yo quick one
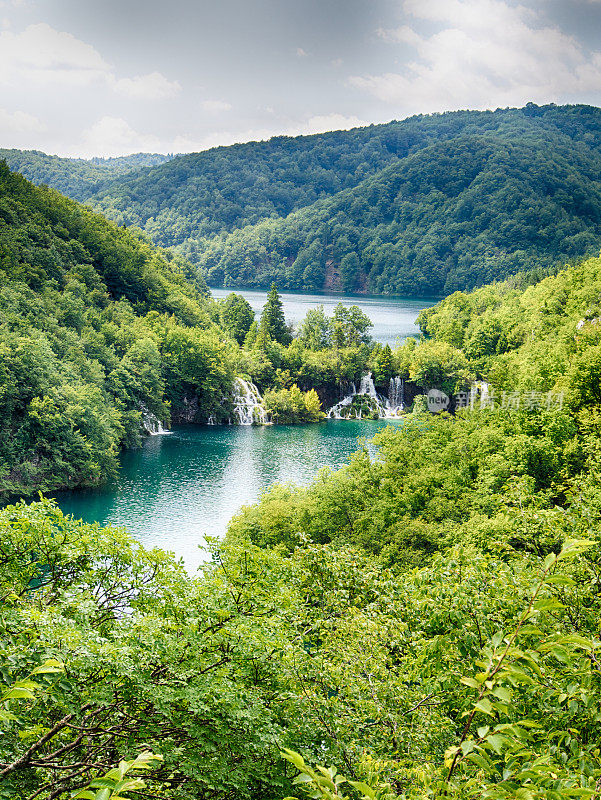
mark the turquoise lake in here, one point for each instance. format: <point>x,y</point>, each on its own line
<point>184,485</point>
<point>181,486</point>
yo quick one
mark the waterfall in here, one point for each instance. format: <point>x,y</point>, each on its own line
<point>483,389</point>
<point>365,403</point>
<point>367,386</point>
<point>396,395</point>
<point>338,411</point>
<point>152,424</point>
<point>248,404</point>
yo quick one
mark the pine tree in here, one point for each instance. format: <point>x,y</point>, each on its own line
<point>273,322</point>
<point>383,366</point>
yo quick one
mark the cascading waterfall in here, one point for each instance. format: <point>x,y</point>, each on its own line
<point>152,424</point>
<point>480,394</point>
<point>363,404</point>
<point>248,404</point>
<point>337,411</point>
<point>368,386</point>
<point>396,395</point>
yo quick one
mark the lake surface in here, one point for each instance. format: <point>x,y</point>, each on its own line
<point>393,317</point>
<point>179,487</point>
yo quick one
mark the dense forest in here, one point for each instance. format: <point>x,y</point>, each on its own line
<point>451,216</point>
<point>421,207</point>
<point>424,624</point>
<point>76,177</point>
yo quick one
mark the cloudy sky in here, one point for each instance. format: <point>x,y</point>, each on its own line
<point>110,77</point>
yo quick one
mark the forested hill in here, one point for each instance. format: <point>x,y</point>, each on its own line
<point>95,327</point>
<point>453,215</point>
<point>76,177</point>
<point>426,205</point>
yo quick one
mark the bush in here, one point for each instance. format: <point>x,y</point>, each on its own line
<point>292,406</point>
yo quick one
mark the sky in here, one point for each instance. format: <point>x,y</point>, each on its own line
<point>104,78</point>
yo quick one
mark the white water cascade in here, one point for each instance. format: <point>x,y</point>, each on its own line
<point>365,400</point>
<point>248,404</point>
<point>481,391</point>
<point>337,411</point>
<point>368,386</point>
<point>396,395</point>
<point>152,424</point>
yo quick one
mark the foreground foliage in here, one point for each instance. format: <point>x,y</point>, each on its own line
<point>320,650</point>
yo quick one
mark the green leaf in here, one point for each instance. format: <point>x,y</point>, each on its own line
<point>547,604</point>
<point>303,778</point>
<point>560,580</point>
<point>49,666</point>
<point>367,791</point>
<point>485,706</point>
<point>294,758</point>
<point>18,693</point>
<point>480,761</point>
<point>496,741</point>
<point>573,547</point>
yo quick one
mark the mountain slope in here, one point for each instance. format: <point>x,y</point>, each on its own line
<point>422,206</point>
<point>99,332</point>
<point>75,177</point>
<point>453,215</point>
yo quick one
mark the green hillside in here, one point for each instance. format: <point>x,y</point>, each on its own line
<point>75,177</point>
<point>424,206</point>
<point>93,324</point>
<point>427,205</point>
<point>453,215</point>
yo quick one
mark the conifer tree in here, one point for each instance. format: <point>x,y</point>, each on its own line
<point>383,366</point>
<point>273,322</point>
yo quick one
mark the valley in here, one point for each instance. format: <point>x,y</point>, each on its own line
<point>272,541</point>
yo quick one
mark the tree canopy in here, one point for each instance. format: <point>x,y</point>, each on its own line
<point>273,322</point>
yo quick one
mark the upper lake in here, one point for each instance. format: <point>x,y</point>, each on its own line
<point>393,317</point>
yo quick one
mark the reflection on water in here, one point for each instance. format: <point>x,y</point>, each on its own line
<point>179,487</point>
